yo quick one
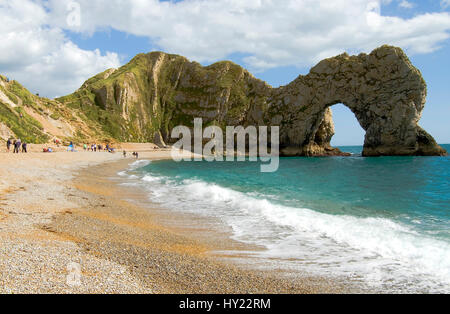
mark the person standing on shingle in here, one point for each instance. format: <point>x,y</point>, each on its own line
<point>17,146</point>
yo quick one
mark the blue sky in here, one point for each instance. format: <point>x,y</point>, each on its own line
<point>275,40</point>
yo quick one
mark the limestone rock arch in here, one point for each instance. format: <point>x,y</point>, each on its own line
<point>384,90</point>
<point>156,92</point>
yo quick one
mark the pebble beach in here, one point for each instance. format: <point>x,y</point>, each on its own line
<point>62,209</point>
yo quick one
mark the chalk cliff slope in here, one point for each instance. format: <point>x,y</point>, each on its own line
<point>39,120</point>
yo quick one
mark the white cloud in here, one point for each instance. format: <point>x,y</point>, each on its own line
<point>269,33</point>
<point>39,55</point>
<point>406,4</point>
<point>272,33</point>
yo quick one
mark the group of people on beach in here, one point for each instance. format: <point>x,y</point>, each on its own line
<point>17,145</point>
<point>135,154</point>
<point>98,148</point>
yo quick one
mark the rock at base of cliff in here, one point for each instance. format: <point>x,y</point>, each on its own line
<point>158,140</point>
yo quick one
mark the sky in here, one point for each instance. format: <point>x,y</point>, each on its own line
<point>53,46</point>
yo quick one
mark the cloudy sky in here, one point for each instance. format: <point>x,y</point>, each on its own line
<point>53,46</point>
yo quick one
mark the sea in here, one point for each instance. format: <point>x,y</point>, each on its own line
<point>383,223</point>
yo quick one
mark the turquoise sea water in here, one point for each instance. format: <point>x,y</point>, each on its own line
<point>385,222</point>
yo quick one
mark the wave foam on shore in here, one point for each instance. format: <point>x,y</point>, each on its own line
<point>375,251</point>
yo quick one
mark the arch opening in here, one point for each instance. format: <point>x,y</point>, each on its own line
<point>348,131</point>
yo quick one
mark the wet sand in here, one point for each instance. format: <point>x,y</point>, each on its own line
<point>69,207</point>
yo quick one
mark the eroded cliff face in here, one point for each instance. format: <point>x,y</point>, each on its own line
<point>155,92</point>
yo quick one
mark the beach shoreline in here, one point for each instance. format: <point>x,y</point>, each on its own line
<point>64,208</point>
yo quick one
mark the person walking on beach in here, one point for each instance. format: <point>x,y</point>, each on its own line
<point>124,154</point>
<point>17,146</point>
<point>24,147</point>
<point>8,145</point>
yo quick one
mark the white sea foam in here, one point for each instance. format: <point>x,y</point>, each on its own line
<point>133,166</point>
<point>376,251</point>
<point>139,163</point>
<point>151,178</point>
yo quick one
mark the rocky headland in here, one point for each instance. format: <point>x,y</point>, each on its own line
<point>146,98</point>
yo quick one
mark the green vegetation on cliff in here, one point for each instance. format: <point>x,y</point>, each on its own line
<point>155,92</point>
<point>36,119</point>
<point>23,125</point>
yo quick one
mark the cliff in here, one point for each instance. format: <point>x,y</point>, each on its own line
<point>153,93</point>
<point>39,120</point>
